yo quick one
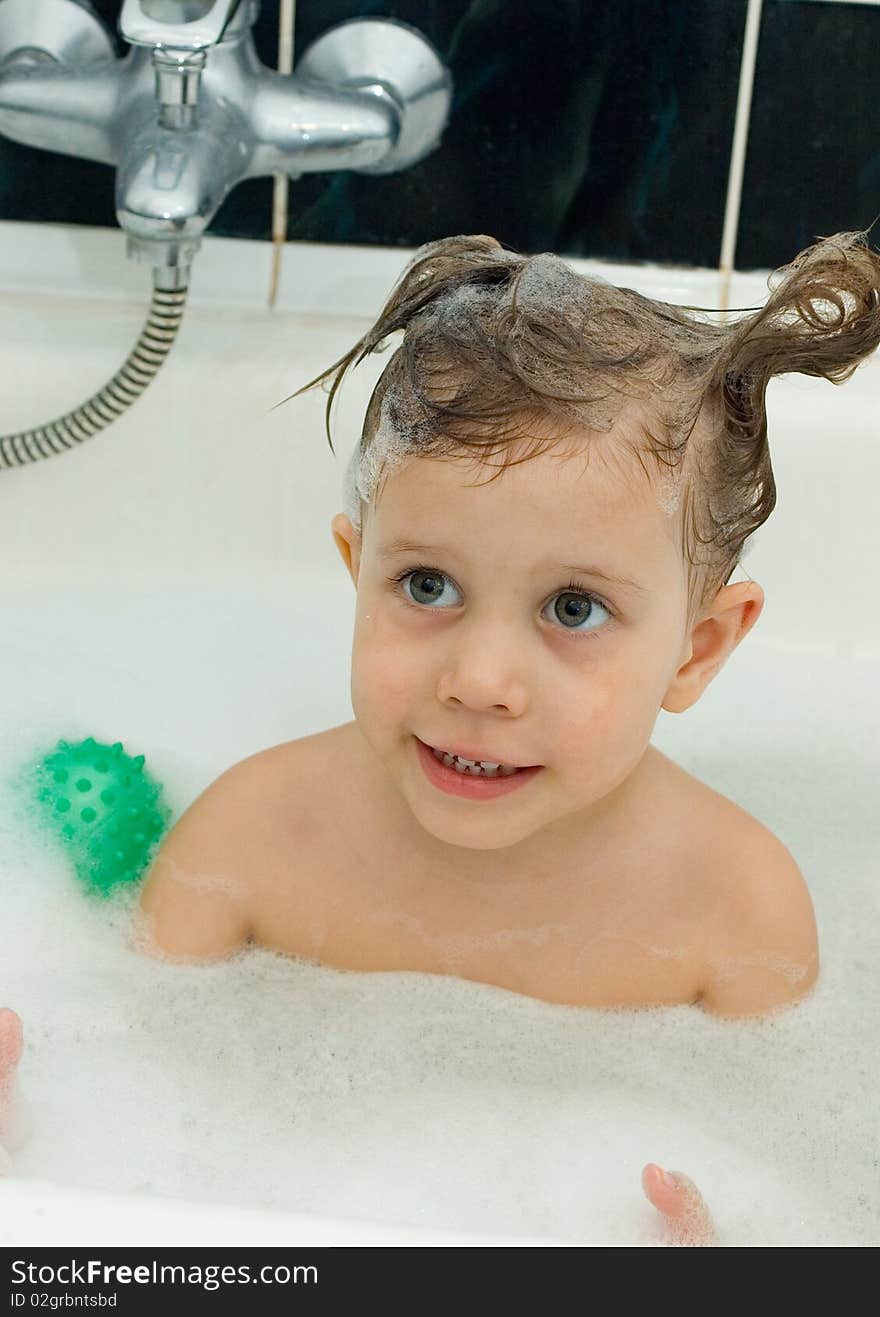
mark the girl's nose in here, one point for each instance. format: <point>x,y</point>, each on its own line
<point>483,672</point>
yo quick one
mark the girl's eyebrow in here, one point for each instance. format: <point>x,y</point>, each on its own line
<point>394,547</point>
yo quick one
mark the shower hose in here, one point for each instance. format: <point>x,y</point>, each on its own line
<point>129,382</point>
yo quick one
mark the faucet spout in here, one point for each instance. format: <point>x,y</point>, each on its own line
<point>169,188</point>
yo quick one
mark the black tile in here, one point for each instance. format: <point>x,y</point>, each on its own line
<point>589,127</point>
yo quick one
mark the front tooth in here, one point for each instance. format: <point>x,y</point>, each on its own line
<point>473,767</point>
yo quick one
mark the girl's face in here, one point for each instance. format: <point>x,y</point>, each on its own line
<point>539,619</point>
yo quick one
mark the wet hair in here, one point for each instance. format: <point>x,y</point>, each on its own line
<point>493,340</point>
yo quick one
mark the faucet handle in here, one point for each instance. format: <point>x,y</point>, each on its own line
<point>180,24</point>
<point>72,35</point>
<point>393,62</point>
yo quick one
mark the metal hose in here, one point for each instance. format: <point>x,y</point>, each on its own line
<point>129,382</point>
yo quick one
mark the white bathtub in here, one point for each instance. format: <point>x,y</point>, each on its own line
<point>174,585</point>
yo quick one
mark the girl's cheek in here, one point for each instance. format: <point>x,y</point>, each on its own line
<point>385,669</point>
<point>383,624</point>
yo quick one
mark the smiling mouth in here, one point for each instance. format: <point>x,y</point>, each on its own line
<point>475,767</point>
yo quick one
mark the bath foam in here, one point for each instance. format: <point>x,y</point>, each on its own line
<point>390,449</point>
<point>105,809</point>
<point>407,1097</point>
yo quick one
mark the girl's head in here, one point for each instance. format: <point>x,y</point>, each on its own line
<point>624,435</point>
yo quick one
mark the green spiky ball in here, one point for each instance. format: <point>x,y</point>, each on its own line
<point>107,811</point>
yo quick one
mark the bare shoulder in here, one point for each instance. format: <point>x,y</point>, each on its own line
<point>765,951</point>
<point>198,899</point>
<point>759,949</point>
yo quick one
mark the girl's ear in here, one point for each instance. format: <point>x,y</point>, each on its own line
<point>348,542</point>
<point>734,611</point>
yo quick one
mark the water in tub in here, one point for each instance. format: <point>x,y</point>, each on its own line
<point>410,1098</point>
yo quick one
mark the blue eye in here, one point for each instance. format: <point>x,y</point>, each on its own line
<point>430,584</point>
<point>575,604</point>
<point>573,607</point>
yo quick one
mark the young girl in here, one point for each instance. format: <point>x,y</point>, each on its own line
<point>496,810</point>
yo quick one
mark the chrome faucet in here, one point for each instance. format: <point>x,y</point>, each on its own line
<point>190,111</point>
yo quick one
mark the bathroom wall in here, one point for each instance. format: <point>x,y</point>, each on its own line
<point>590,127</point>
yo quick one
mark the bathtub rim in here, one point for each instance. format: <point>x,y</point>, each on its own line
<point>41,1213</point>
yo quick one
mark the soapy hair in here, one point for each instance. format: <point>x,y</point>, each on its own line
<point>493,339</point>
